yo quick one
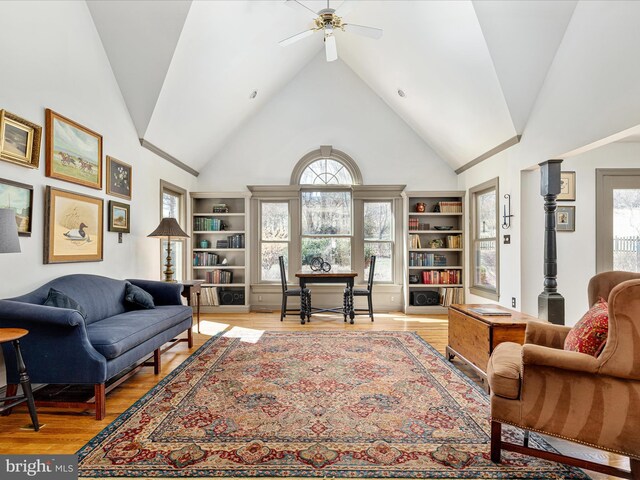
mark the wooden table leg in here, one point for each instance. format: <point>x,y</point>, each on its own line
<point>352,314</point>
<point>25,383</point>
<point>198,310</point>
<point>304,308</point>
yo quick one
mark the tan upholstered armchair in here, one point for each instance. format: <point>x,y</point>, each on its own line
<point>540,387</point>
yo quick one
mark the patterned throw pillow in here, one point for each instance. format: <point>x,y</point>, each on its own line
<point>589,335</point>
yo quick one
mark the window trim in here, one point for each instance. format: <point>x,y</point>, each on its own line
<point>392,237</point>
<point>326,151</point>
<point>474,289</point>
<point>182,193</point>
<point>261,240</point>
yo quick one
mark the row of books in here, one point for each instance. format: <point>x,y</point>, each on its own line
<point>208,224</point>
<point>208,297</point>
<point>441,277</point>
<point>414,241</point>
<point>414,224</point>
<point>450,207</point>
<point>454,241</point>
<point>205,259</point>
<point>219,276</point>
<point>449,296</point>
<point>427,260</point>
<point>232,241</point>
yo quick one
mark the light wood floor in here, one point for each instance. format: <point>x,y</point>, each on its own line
<point>65,431</point>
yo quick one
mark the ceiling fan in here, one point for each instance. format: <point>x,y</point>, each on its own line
<point>327,21</point>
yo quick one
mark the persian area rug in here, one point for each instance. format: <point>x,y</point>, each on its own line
<point>318,404</point>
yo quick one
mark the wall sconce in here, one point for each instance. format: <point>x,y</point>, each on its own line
<point>506,216</point>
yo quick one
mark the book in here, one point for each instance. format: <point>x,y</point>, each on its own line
<point>489,311</point>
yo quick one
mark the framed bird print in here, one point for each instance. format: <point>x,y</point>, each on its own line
<point>73,225</point>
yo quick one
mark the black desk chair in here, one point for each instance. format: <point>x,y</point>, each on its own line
<point>305,296</point>
<point>361,292</point>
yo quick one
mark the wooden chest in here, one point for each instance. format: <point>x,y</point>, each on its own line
<point>472,337</point>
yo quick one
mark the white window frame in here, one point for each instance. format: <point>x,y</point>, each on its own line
<point>482,290</point>
<point>180,193</point>
<point>391,242</point>
<point>261,240</point>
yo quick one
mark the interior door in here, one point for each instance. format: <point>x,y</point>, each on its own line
<point>618,220</point>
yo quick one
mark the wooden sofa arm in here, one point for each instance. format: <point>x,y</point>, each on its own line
<point>537,355</point>
<point>546,334</point>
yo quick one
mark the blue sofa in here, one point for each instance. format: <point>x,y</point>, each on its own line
<point>64,348</point>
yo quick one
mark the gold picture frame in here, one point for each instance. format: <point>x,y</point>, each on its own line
<point>19,140</point>
<point>73,227</point>
<point>119,178</point>
<point>73,152</point>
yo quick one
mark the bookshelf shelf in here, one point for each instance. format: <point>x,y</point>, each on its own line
<point>419,234</point>
<point>236,224</point>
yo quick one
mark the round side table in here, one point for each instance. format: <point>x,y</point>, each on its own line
<point>13,335</point>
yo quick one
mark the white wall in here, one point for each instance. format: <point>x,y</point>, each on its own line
<point>326,104</point>
<point>53,58</point>
<point>576,250</point>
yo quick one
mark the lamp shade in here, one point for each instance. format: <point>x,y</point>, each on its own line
<point>168,227</point>
<point>9,242</point>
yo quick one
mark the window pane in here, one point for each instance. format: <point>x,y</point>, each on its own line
<point>335,251</point>
<point>326,213</point>
<point>326,172</point>
<point>275,221</point>
<point>377,220</point>
<point>270,265</point>
<point>626,229</point>
<point>486,212</point>
<point>170,205</point>
<point>384,265</point>
<point>485,264</point>
<point>176,258</point>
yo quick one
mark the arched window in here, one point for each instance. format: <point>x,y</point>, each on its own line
<point>326,171</point>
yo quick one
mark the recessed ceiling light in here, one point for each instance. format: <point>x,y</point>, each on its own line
<point>253,94</point>
<point>401,93</point>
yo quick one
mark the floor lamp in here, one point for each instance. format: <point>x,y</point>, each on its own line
<point>9,242</point>
<point>168,228</point>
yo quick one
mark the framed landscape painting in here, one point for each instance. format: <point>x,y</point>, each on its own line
<point>73,229</point>
<point>119,217</point>
<point>19,140</point>
<point>19,197</point>
<point>74,153</point>
<point>118,178</point>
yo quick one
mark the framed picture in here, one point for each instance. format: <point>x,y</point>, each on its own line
<point>567,187</point>
<point>566,219</point>
<point>119,217</point>
<point>19,197</point>
<point>118,178</point>
<point>19,140</point>
<point>73,153</point>
<point>73,228</point>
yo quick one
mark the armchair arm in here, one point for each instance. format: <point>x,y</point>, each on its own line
<point>536,355</point>
<point>163,293</point>
<point>546,334</point>
<point>57,348</point>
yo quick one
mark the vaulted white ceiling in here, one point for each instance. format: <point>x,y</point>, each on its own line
<point>471,71</point>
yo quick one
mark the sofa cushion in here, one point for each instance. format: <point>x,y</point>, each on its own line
<point>138,297</point>
<point>503,371</point>
<point>118,334</point>
<point>58,299</point>
<point>590,334</point>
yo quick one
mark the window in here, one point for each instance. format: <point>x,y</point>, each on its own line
<point>173,206</point>
<point>378,239</point>
<point>484,252</point>
<point>274,238</point>
<point>326,228</point>
<point>326,171</point>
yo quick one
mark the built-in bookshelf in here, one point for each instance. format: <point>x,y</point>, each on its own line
<point>434,252</point>
<point>219,250</point>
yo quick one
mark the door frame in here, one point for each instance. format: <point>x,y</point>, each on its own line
<point>606,180</point>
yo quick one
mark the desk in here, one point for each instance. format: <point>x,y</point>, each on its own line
<point>347,278</point>
<point>191,287</point>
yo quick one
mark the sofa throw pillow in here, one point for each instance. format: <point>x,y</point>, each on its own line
<point>589,335</point>
<point>138,297</point>
<point>56,298</point>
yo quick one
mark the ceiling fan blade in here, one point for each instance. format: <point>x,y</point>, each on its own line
<point>370,32</point>
<point>301,7</point>
<point>345,7</point>
<point>296,37</point>
<point>330,48</point>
